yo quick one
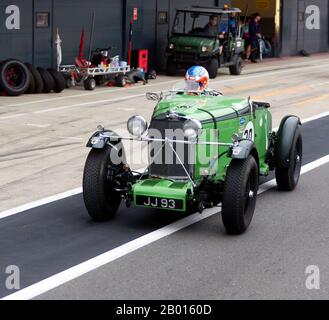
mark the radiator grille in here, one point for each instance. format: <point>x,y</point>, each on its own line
<point>166,164</point>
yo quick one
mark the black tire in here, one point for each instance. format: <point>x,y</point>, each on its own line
<point>287,178</point>
<point>212,68</point>
<point>240,195</point>
<point>48,80</point>
<point>37,78</point>
<point>14,77</point>
<point>171,68</point>
<point>89,83</point>
<point>237,68</point>
<point>101,203</point>
<point>120,81</point>
<point>31,88</point>
<point>59,80</point>
<point>68,81</point>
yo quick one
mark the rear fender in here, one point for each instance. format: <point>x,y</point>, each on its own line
<point>284,141</point>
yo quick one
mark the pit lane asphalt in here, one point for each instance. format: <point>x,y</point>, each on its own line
<point>48,239</point>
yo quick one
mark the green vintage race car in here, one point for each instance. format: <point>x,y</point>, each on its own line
<point>204,149</point>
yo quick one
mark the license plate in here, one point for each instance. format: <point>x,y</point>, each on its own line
<point>163,203</point>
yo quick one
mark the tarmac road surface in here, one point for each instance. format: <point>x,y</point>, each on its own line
<point>199,262</point>
<point>146,254</point>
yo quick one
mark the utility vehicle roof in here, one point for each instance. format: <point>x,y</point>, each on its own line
<point>209,10</point>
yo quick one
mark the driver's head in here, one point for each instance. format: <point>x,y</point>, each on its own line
<point>197,79</point>
<point>213,20</point>
<point>258,17</point>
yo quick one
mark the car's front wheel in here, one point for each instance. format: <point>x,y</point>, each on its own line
<point>240,195</point>
<point>101,200</point>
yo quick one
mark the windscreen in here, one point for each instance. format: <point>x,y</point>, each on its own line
<point>191,24</point>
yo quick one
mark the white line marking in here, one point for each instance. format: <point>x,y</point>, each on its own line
<point>38,125</point>
<point>13,116</point>
<point>39,203</point>
<point>75,191</point>
<point>131,246</point>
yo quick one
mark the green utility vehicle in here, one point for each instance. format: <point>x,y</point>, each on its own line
<point>191,43</point>
<point>204,149</point>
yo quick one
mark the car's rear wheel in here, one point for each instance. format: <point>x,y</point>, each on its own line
<point>287,178</point>
<point>171,68</point>
<point>212,68</point>
<point>101,201</point>
<point>240,195</point>
<point>236,69</point>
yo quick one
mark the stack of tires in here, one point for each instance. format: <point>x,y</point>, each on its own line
<point>17,78</point>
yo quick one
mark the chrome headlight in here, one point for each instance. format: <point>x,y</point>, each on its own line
<point>137,126</point>
<point>192,128</point>
<point>204,49</point>
<point>171,46</point>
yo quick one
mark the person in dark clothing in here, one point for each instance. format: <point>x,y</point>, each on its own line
<point>255,35</point>
<point>211,29</point>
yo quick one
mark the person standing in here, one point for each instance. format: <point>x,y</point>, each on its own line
<point>255,35</point>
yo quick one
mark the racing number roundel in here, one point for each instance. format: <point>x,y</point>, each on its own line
<point>249,132</point>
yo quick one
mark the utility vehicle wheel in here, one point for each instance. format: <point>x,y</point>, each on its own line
<point>120,81</point>
<point>14,77</point>
<point>171,68</point>
<point>37,78</point>
<point>287,178</point>
<point>89,83</point>
<point>48,81</point>
<point>212,68</point>
<point>59,80</point>
<point>101,201</point>
<point>240,195</point>
<point>237,68</point>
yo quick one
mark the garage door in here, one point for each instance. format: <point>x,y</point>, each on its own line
<point>310,39</point>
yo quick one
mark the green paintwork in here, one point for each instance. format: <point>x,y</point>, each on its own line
<point>193,44</point>
<point>233,115</point>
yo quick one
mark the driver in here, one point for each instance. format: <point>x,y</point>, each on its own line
<point>211,29</point>
<point>196,79</point>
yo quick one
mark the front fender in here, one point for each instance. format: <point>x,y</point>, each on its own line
<point>242,150</point>
<point>284,141</point>
<point>101,138</point>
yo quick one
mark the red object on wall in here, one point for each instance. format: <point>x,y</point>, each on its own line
<point>135,14</point>
<point>141,59</point>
